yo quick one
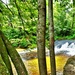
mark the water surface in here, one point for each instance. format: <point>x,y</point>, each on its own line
<point>32,65</point>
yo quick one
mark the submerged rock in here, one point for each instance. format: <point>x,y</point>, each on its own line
<point>28,55</point>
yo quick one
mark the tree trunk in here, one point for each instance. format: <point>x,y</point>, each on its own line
<point>19,65</point>
<point>41,37</point>
<point>73,22</point>
<point>5,56</point>
<point>51,37</point>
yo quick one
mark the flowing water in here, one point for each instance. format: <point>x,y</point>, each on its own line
<point>32,65</point>
<point>65,46</point>
<point>63,50</point>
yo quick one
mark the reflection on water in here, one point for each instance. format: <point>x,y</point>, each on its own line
<point>32,65</point>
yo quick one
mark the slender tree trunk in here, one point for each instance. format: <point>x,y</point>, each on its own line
<point>19,65</point>
<point>73,22</point>
<point>41,37</point>
<point>69,68</point>
<point>5,56</point>
<point>51,37</point>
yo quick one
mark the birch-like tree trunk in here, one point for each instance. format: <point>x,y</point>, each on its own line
<point>41,36</point>
<point>51,37</point>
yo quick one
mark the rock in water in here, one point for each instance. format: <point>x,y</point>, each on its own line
<point>29,55</point>
<point>69,68</point>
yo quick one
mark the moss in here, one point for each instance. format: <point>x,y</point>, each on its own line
<point>3,68</point>
<point>15,57</point>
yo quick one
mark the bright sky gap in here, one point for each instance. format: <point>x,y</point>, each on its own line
<point>6,1</point>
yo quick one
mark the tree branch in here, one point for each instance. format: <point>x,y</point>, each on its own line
<point>7,7</point>
<point>19,14</point>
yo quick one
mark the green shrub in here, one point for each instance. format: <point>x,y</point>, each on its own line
<point>24,43</point>
<point>15,42</point>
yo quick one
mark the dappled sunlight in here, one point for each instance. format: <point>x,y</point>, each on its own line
<point>20,49</point>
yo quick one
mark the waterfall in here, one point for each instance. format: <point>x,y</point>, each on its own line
<point>65,46</point>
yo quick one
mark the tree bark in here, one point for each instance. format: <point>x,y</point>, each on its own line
<point>5,56</point>
<point>41,37</point>
<point>15,57</point>
<point>51,37</point>
<point>73,22</point>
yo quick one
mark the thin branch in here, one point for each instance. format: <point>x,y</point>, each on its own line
<point>7,7</point>
<point>19,14</point>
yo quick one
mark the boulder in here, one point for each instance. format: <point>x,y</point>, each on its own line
<point>69,68</point>
<point>29,55</point>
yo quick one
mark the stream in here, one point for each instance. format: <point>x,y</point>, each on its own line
<point>66,47</point>
<point>63,50</point>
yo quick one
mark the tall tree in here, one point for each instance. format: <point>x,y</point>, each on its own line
<point>73,23</point>
<point>51,37</point>
<point>5,56</point>
<point>15,57</point>
<point>41,36</point>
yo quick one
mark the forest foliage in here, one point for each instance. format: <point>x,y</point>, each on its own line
<point>18,21</point>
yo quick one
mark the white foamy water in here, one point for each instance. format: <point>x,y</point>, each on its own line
<point>66,48</point>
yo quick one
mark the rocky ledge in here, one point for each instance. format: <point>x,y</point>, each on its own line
<point>57,73</point>
<point>28,55</point>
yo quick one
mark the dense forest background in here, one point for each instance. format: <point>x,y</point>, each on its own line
<point>18,21</point>
<point>24,23</point>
